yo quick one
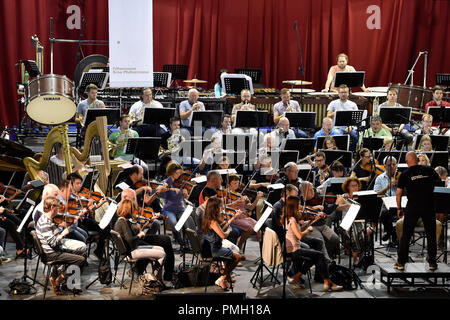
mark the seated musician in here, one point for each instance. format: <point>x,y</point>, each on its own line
<point>57,247</point>
<point>218,92</point>
<point>425,144</point>
<point>244,105</point>
<point>423,159</point>
<point>214,181</point>
<point>50,190</point>
<point>88,221</point>
<point>320,229</point>
<point>443,174</point>
<point>280,133</point>
<point>139,249</point>
<point>438,93</point>
<point>119,140</point>
<point>10,223</point>
<point>209,153</point>
<point>225,127</point>
<point>214,233</point>
<point>171,144</point>
<point>402,131</point>
<point>287,105</point>
<point>387,144</point>
<point>342,66</point>
<point>294,237</point>
<point>3,259</point>
<point>426,128</point>
<point>90,102</point>
<point>174,201</point>
<point>357,247</point>
<point>187,107</point>
<point>291,172</point>
<point>386,185</point>
<point>329,143</point>
<point>222,163</point>
<point>327,129</point>
<point>263,177</point>
<point>364,170</point>
<point>376,130</point>
<point>320,169</point>
<point>344,104</point>
<point>137,115</point>
<point>337,170</point>
<point>244,221</point>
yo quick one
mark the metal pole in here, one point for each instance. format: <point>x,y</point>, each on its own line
<point>425,69</point>
<point>51,45</point>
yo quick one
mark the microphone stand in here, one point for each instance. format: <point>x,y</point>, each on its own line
<point>411,71</point>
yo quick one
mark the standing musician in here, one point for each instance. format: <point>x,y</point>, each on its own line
<point>137,115</point>
<point>386,185</point>
<point>419,182</point>
<point>321,170</point>
<point>245,104</point>
<point>320,229</point>
<point>57,248</point>
<point>187,107</point>
<point>342,66</point>
<point>287,105</point>
<point>343,104</point>
<point>90,102</point>
<point>365,169</point>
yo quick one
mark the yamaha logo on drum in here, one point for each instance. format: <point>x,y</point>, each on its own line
<point>51,98</point>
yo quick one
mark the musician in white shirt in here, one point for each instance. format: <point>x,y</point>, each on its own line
<point>137,114</point>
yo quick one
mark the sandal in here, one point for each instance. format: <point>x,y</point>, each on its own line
<point>222,283</point>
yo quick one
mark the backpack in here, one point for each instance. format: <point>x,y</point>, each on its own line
<point>104,272</point>
<point>342,276</point>
<point>150,284</point>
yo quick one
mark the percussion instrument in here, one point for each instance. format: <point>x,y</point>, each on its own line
<point>195,81</point>
<point>369,94</point>
<point>302,91</point>
<point>50,99</point>
<point>331,93</point>
<point>411,96</point>
<point>298,82</point>
<point>379,89</point>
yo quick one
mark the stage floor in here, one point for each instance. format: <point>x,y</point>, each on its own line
<point>370,280</point>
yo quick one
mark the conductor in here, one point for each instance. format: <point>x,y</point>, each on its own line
<point>419,182</point>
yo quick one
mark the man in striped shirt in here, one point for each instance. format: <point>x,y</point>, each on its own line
<point>56,248</point>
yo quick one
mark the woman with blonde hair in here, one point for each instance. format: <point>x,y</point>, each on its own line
<point>425,144</point>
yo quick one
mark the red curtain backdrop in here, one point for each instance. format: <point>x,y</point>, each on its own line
<point>209,35</point>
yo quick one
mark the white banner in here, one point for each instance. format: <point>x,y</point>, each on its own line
<point>130,43</point>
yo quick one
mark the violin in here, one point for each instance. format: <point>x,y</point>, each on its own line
<point>147,212</point>
<point>64,217</point>
<point>11,211</point>
<point>318,199</point>
<point>374,167</point>
<point>10,191</point>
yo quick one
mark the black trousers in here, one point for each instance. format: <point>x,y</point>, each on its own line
<point>409,223</point>
<point>387,219</point>
<point>10,224</point>
<point>91,225</point>
<point>164,242</point>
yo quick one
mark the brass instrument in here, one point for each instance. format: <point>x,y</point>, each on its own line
<point>173,143</point>
<point>95,104</point>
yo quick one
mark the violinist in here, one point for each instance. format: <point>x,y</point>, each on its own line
<point>321,170</point>
<point>10,223</point>
<point>320,229</point>
<point>425,144</point>
<point>337,171</point>
<point>423,159</point>
<point>386,185</point>
<point>223,163</point>
<point>364,168</point>
<point>174,201</point>
<point>242,203</point>
<point>262,178</point>
<point>387,144</point>
<point>57,247</point>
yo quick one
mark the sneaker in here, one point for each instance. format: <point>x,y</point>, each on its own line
<point>4,260</point>
<point>399,266</point>
<point>432,266</point>
<point>385,237</point>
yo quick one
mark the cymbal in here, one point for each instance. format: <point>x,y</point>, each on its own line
<point>195,81</point>
<point>298,82</point>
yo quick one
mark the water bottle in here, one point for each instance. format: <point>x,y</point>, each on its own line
<point>26,77</point>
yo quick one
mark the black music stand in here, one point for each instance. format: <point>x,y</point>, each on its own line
<point>345,157</point>
<point>280,158</point>
<point>348,118</point>
<point>351,79</point>
<point>31,67</point>
<point>437,158</point>
<point>158,115</point>
<point>439,142</point>
<point>234,84</point>
<point>304,172</point>
<point>162,79</point>
<point>336,185</point>
<point>255,74</point>
<point>395,115</point>
<point>373,143</point>
<point>342,141</point>
<point>443,79</point>
<point>440,115</point>
<point>304,146</point>
<point>236,158</point>
<point>381,155</point>
<point>208,118</point>
<point>251,118</point>
<point>112,115</point>
<point>144,148</point>
<point>178,71</point>
<point>90,179</point>
<point>304,120</point>
<point>100,79</point>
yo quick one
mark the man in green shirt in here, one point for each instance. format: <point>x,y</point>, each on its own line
<point>376,130</point>
<point>119,140</point>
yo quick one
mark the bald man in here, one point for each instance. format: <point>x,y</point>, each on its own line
<point>50,190</point>
<point>419,182</point>
<point>281,132</point>
<point>188,106</point>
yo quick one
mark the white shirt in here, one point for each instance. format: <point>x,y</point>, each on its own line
<point>138,108</point>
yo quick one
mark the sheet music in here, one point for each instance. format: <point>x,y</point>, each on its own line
<point>391,202</point>
<point>184,217</point>
<point>275,186</point>
<point>365,193</point>
<point>123,186</point>
<point>106,219</point>
<point>350,217</point>
<point>30,210</point>
<point>263,219</point>
<point>199,179</point>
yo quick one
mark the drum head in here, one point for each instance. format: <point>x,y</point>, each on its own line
<point>51,109</point>
<point>88,63</point>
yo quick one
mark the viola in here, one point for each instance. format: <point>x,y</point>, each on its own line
<point>374,168</point>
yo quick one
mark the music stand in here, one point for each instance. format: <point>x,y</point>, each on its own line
<point>31,67</point>
<point>443,79</point>
<point>251,118</point>
<point>162,79</point>
<point>373,143</point>
<point>280,158</point>
<point>144,148</point>
<point>304,146</point>
<point>255,74</point>
<point>342,141</point>
<point>395,115</point>
<point>234,83</point>
<point>336,185</point>
<point>112,115</point>
<point>440,158</point>
<point>158,115</point>
<point>440,115</point>
<point>304,120</point>
<point>90,179</point>
<point>381,155</point>
<point>351,79</point>
<point>304,171</point>
<point>348,118</point>
<point>98,78</point>
<point>208,118</point>
<point>178,71</point>
<point>439,142</point>
<point>345,157</point>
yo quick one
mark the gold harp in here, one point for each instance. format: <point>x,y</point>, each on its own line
<point>56,135</point>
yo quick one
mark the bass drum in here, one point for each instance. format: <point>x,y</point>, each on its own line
<point>50,98</point>
<point>410,96</point>
<point>427,97</point>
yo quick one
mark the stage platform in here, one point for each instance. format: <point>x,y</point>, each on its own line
<point>415,275</point>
